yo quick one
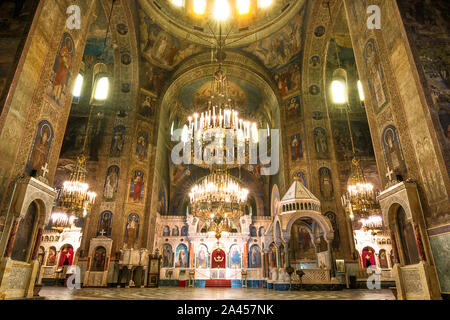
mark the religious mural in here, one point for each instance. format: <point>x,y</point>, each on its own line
<point>161,48</point>
<point>166,231</point>
<point>293,107</point>
<point>361,138</point>
<point>300,175</point>
<point>320,142</point>
<point>118,140</point>
<point>375,76</point>
<point>142,145</point>
<point>382,257</point>
<point>272,256</point>
<point>296,147</point>
<point>300,244</point>
<point>235,257</point>
<point>74,136</point>
<point>111,184</point>
<point>184,231</point>
<point>282,47</point>
<point>99,260</point>
<point>275,201</point>
<point>254,257</point>
<point>333,219</point>
<point>132,231</point>
<point>152,77</point>
<point>182,256</point>
<point>167,254</point>
<point>288,79</point>
<point>51,258</point>
<point>393,154</point>
<point>202,257</point>
<point>59,78</point>
<point>105,224</point>
<point>326,184</point>
<point>198,93</point>
<point>175,231</point>
<point>253,232</point>
<point>137,188</point>
<point>426,27</point>
<point>162,201</point>
<point>148,106</point>
<point>41,148</point>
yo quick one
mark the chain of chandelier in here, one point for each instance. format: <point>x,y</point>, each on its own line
<point>75,199</point>
<point>360,199</point>
<point>219,199</point>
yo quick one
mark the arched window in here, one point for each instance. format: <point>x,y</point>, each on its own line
<point>253,231</point>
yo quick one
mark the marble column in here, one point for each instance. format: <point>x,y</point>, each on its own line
<point>266,264</point>
<point>37,244</point>
<point>191,256</point>
<point>286,256</point>
<point>245,256</point>
<point>278,258</point>
<point>12,238</point>
<point>419,242</point>
<point>331,260</point>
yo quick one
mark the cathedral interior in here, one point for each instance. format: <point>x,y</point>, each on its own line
<point>276,147</point>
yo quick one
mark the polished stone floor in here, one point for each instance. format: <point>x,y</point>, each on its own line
<point>172,293</point>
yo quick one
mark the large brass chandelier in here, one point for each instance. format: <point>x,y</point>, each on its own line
<point>360,199</point>
<point>220,127</point>
<point>75,198</point>
<point>218,199</point>
<point>218,193</point>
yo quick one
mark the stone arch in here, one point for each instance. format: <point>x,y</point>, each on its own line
<point>322,221</point>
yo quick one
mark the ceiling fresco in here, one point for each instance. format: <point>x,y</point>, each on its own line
<point>161,48</point>
<point>275,51</point>
<point>282,47</point>
<point>95,43</point>
<point>247,96</point>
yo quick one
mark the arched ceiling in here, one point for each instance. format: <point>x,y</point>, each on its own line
<point>259,24</point>
<point>168,36</point>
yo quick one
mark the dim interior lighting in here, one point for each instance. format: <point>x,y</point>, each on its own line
<point>101,89</point>
<point>221,10</point>
<point>78,85</point>
<point>361,91</point>
<point>264,3</point>
<point>243,6</point>
<point>338,91</point>
<point>178,3</point>
<point>199,6</point>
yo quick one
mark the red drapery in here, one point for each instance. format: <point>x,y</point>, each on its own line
<point>68,252</point>
<point>371,258</point>
<point>218,259</point>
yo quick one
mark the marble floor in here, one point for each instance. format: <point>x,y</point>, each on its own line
<point>173,293</point>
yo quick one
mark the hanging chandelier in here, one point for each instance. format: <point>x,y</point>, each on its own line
<point>221,124</point>
<point>75,198</point>
<point>61,221</point>
<point>373,224</point>
<point>218,196</point>
<point>360,199</point>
